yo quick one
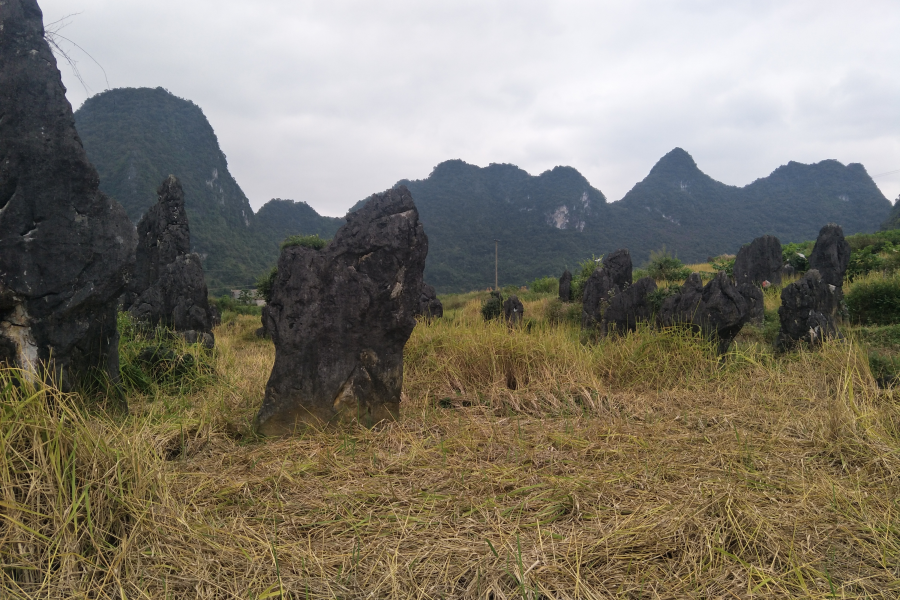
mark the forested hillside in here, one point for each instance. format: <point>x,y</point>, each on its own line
<point>547,222</point>
<point>544,223</point>
<point>137,137</point>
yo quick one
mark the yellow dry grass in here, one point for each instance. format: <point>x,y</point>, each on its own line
<point>525,465</point>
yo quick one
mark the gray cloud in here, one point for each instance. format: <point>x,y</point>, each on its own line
<point>329,102</point>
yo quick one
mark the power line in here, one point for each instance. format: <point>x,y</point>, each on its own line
<point>885,173</point>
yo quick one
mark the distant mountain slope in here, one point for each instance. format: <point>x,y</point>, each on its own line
<point>893,218</point>
<point>137,137</point>
<point>553,220</point>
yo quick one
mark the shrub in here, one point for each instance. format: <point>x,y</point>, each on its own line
<point>582,273</point>
<point>797,255</point>
<point>229,307</point>
<point>725,263</point>
<point>663,265</point>
<point>307,241</point>
<point>492,308</point>
<point>863,261</point>
<point>875,302</point>
<point>558,312</point>
<point>264,284</point>
<point>545,285</point>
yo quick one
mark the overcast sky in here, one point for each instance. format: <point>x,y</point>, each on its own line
<point>331,101</point>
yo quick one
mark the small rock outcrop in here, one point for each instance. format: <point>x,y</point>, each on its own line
<point>628,307</point>
<point>340,317</point>
<point>168,287</point>
<point>513,311</point>
<point>65,248</point>
<point>430,306</point>
<point>756,302</point>
<point>788,271</point>
<point>614,274</point>
<point>810,310</point>
<point>759,261</point>
<point>831,255</point>
<point>565,286</point>
<point>718,310</point>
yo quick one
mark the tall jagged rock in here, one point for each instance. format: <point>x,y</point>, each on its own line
<point>340,317</point>
<point>168,287</point>
<point>759,261</point>
<point>810,310</point>
<point>628,307</point>
<point>614,274</point>
<point>718,310</point>
<point>430,306</point>
<point>565,286</point>
<point>831,255</point>
<point>65,248</point>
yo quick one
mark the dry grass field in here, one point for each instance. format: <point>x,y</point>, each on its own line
<point>525,465</point>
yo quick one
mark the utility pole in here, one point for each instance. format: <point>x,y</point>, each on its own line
<point>496,255</point>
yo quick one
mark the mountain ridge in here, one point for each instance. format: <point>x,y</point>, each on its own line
<point>544,223</point>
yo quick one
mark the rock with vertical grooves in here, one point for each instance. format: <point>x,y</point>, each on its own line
<point>430,306</point>
<point>810,311</point>
<point>718,310</point>
<point>831,255</point>
<point>513,311</point>
<point>565,286</point>
<point>614,274</point>
<point>168,287</point>
<point>65,248</point>
<point>628,307</point>
<point>759,261</point>
<point>340,317</point>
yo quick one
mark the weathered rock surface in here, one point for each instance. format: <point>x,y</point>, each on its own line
<point>755,302</point>
<point>831,255</point>
<point>168,287</point>
<point>65,248</point>
<point>787,271</point>
<point>810,310</point>
<point>759,261</point>
<point>614,274</point>
<point>628,307</point>
<point>513,311</point>
<point>340,317</point>
<point>718,310</point>
<point>565,286</point>
<point>430,306</point>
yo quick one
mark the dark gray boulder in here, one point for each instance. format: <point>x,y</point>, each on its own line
<point>788,271</point>
<point>340,317</point>
<point>718,310</point>
<point>831,255</point>
<point>759,261</point>
<point>755,301</point>
<point>513,311</point>
<point>168,287</point>
<point>614,274</point>
<point>565,286</point>
<point>65,248</point>
<point>810,311</point>
<point>628,307</point>
<point>430,306</point>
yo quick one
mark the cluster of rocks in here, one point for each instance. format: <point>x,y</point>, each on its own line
<point>69,254</point>
<point>168,287</point>
<point>810,311</point>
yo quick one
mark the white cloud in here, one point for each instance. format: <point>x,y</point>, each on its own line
<point>329,102</point>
